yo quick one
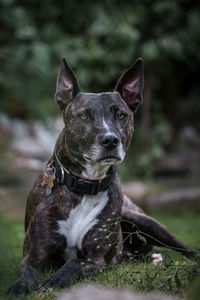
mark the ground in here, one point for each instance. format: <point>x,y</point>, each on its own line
<point>174,275</point>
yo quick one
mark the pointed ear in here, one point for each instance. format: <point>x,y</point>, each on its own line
<point>67,86</point>
<point>130,85</point>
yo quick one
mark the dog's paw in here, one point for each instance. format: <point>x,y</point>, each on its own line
<point>156,258</point>
<point>21,287</point>
<point>53,282</point>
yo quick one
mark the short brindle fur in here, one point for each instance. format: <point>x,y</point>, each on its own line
<point>86,232</point>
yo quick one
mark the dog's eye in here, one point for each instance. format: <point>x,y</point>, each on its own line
<point>84,116</point>
<point>121,116</point>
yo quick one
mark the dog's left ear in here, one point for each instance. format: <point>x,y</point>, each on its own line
<point>130,85</point>
<point>67,86</point>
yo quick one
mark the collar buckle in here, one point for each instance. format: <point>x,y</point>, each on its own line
<point>62,179</point>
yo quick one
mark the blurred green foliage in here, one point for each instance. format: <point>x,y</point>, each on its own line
<point>100,39</point>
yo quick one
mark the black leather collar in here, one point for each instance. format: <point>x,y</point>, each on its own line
<point>78,184</point>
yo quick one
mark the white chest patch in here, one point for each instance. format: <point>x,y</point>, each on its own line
<point>81,219</point>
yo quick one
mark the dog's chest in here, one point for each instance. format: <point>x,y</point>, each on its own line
<point>80,220</point>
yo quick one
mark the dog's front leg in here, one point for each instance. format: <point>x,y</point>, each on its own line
<point>40,245</point>
<point>73,269</point>
<point>28,276</point>
<point>96,256</point>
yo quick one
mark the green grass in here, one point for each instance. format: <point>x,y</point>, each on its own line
<point>173,275</point>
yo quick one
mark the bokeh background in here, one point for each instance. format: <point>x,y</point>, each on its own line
<point>100,39</point>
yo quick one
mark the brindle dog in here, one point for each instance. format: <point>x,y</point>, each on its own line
<point>76,210</point>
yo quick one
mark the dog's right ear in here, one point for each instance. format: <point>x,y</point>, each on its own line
<point>67,86</point>
<point>130,85</point>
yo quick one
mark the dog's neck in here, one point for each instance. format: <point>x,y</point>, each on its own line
<point>95,171</point>
<point>78,165</point>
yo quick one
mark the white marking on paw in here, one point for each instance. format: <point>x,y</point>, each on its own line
<point>156,258</point>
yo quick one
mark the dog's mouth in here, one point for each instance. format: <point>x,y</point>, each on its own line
<point>109,159</point>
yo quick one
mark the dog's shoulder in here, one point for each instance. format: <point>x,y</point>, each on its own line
<point>61,199</point>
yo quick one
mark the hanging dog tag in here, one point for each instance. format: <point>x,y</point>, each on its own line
<point>48,180</point>
<point>48,191</point>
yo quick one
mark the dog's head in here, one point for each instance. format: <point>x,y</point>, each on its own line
<point>98,126</point>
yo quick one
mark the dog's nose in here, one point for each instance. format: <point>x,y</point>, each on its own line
<point>109,141</point>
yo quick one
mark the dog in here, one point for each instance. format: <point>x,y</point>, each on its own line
<point>76,212</point>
